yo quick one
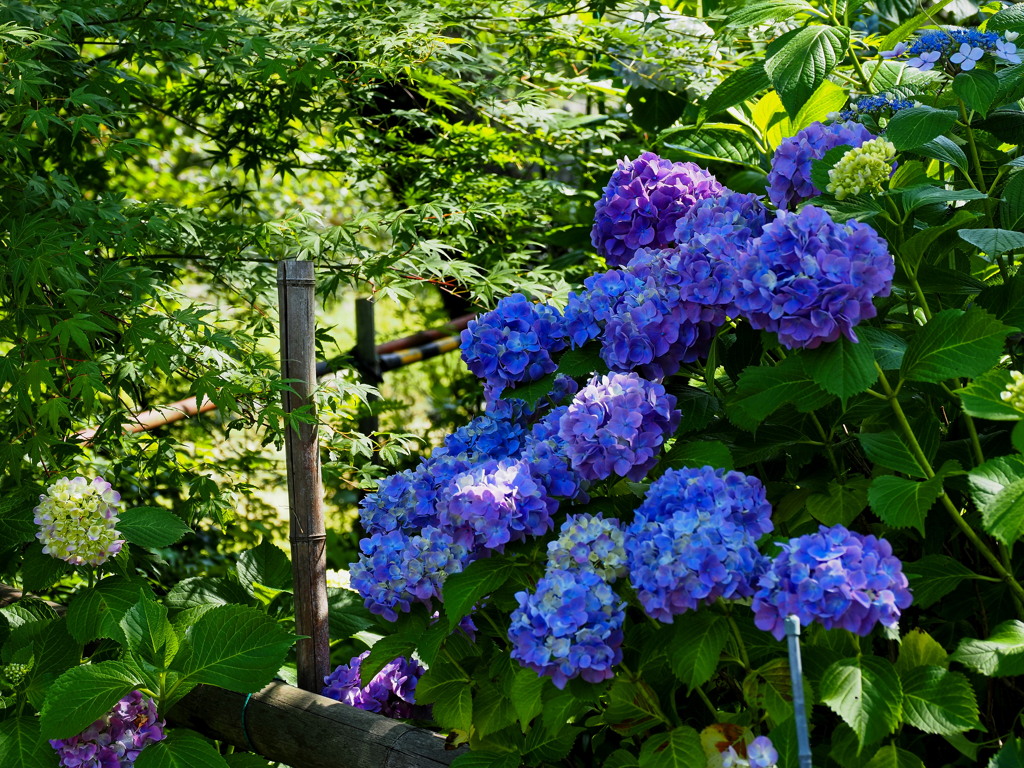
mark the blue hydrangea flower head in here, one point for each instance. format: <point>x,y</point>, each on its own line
<point>591,543</point>
<point>642,203</point>
<point>694,540</point>
<point>617,425</point>
<point>549,464</point>
<point>877,105</point>
<point>391,692</point>
<point>116,739</point>
<point>721,225</point>
<point>587,313</point>
<point>789,180</point>
<point>570,627</point>
<point>513,343</point>
<point>809,279</point>
<point>835,577</point>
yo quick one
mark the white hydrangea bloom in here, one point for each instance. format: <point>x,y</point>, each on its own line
<point>78,519</point>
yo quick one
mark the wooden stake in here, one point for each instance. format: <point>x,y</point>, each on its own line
<point>366,352</point>
<point>295,289</point>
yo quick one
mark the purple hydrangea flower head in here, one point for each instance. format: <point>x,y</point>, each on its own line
<point>77,521</point>
<point>809,279</point>
<point>789,180</point>
<point>498,434</point>
<point>513,343</point>
<point>616,425</point>
<point>722,225</point>
<point>570,627</point>
<point>590,543</point>
<point>396,569</point>
<point>116,739</point>
<point>642,203</point>
<point>549,466</point>
<point>587,313</point>
<point>694,540</point>
<point>688,274</point>
<point>835,577</point>
<point>391,692</point>
<point>495,503</point>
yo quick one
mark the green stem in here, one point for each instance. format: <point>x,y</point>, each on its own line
<point>827,442</point>
<point>979,456</point>
<point>741,649</point>
<point>704,697</point>
<point>975,157</point>
<point>915,448</point>
<point>865,80</point>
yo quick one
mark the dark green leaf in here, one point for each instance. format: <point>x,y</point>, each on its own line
<point>697,641</point>
<point>944,149</point>
<point>841,504</point>
<point>582,362</point>
<point>741,85</point>
<point>936,700</point>
<point>1009,19</point>
<point>54,652</point>
<point>994,242</point>
<point>1001,655</point>
<point>484,759</point>
<point>1010,756</point>
<point>865,692</point>
<point>912,127</point>
<point>919,649</point>
<point>843,368</point>
<point>935,576</point>
<point>22,747</point>
<point>889,450</point>
<point>97,612</point>
<point>181,749</point>
<point>954,343</point>
<point>653,109</point>
<point>204,590</point>
<point>751,14</point>
<point>82,695</point>
<point>461,591</point>
<point>151,527</point>
<point>39,571</point>
<point>770,688</point>
<point>715,142</point>
<point>891,756</point>
<point>1005,124</point>
<point>1011,209</point>
<point>346,613</point>
<point>977,88</point>
<point>527,690</point>
<point>903,503</point>
<point>763,389</point>
<point>908,27</point>
<point>920,244</point>
<point>149,633</point>
<point>699,453</point>
<point>982,398</point>
<point>679,748</point>
<point>266,565</point>
<point>888,347</point>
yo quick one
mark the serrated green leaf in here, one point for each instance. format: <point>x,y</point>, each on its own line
<point>841,504</point>
<point>452,705</point>
<point>891,756</point>
<point>936,700</point>
<point>21,746</point>
<point>889,450</point>
<point>1001,655</point>
<point>204,591</point>
<point>977,88</point>
<point>527,691</point>
<point>151,527</point>
<point>97,612</point>
<point>679,748</point>
<point>149,633</point>
<point>903,503</point>
<point>551,744</point>
<point>866,693</point>
<point>888,347</point>
<point>921,244</point>
<point>820,168</point>
<point>653,109</point>
<point>346,613</point>
<point>389,648</point>
<point>695,647</point>
<point>798,62</point>
<point>461,591</point>
<point>767,10</point>
<point>267,565</point>
<point>39,571</point>
<point>698,408</point>
<point>492,710</point>
<point>944,149</point>
<point>582,362</point>
<point>955,343</point>
<point>982,398</point>
<point>54,652</point>
<point>919,649</point>
<point>912,127</point>
<point>1011,208</point>
<point>1009,19</point>
<point>531,393</point>
<point>700,453</point>
<point>935,576</point>
<point>716,142</point>
<point>181,749</point>
<point>82,695</point>
<point>739,86</point>
<point>843,368</point>
<point>763,389</point>
<point>994,242</point>
<point>997,487</point>
<point>1010,756</point>
<point>233,647</point>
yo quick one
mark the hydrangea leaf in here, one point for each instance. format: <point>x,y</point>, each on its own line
<point>82,695</point>
<point>798,62</point>
<point>752,14</point>
<point>955,343</point>
<point>866,693</point>
<point>923,242</point>
<point>699,453</point>
<point>903,503</point>
<point>679,748</point>
<point>530,393</point>
<point>582,362</point>
<point>994,242</point>
<point>267,565</point>
<point>485,759</point>
<point>770,688</point>
<point>698,408</point>
<point>653,109</point>
<point>982,398</point>
<point>910,128</point>
<point>151,526</point>
<point>452,703</point>
<point>40,571</point>
<point>697,641</point>
<point>739,86</point>
<point>944,149</point>
<point>461,591</point>
<point>1011,208</point>
<point>234,647</point>
<point>16,524</point>
<point>841,504</point>
<point>908,27</point>
<point>889,450</point>
<point>22,746</point>
<point>203,590</point>
<point>346,613</point>
<point>97,612</point>
<point>1005,301</point>
<point>390,647</point>
<point>622,758</point>
<point>919,649</point>
<point>181,749</point>
<point>977,88</point>
<point>891,756</point>
<point>527,695</point>
<point>997,487</point>
<point>843,368</point>
<point>1010,756</point>
<point>717,142</point>
<point>632,707</point>
<point>492,709</point>
<point>551,743</point>
<point>148,632</point>
<point>761,390</point>
<point>1010,19</point>
<point>1001,655</point>
<point>888,348</point>
<point>936,700</point>
<point>935,576</point>
<point>54,652</point>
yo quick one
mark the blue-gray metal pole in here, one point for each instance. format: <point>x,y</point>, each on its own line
<point>796,675</point>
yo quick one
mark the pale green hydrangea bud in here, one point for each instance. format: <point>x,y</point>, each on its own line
<point>77,521</point>
<point>1013,394</point>
<point>589,543</point>
<point>863,169</point>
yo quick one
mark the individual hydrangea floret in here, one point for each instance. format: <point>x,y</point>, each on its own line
<point>835,577</point>
<point>616,425</point>
<point>495,503</point>
<point>642,203</point>
<point>391,692</point>
<point>789,180</point>
<point>810,280</point>
<point>694,540</point>
<point>78,521</point>
<point>570,627</point>
<point>513,343</point>
<point>590,543</point>
<point>863,169</point>
<point>116,739</point>
<point>1013,394</point>
<point>760,753</point>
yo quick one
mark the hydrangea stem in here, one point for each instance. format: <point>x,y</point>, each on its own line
<point>915,448</point>
<point>741,648</point>
<point>972,144</point>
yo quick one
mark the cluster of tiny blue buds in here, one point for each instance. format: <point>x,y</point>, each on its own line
<point>955,48</point>
<point>877,105</point>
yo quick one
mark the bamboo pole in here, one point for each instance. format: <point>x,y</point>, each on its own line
<point>296,283</point>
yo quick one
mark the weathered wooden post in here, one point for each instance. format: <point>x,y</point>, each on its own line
<point>296,297</point>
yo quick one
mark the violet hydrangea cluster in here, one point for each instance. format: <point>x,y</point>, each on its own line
<point>835,577</point>
<point>116,739</point>
<point>391,692</point>
<point>513,343</point>
<point>616,425</point>
<point>694,540</point>
<point>789,180</point>
<point>643,201</point>
<point>810,280</point>
<point>77,521</point>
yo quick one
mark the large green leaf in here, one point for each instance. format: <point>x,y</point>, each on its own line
<point>946,150</point>
<point>149,633</point>
<point>699,453</point>
<point>977,88</point>
<point>716,142</point>
<point>1001,655</point>
<point>763,389</point>
<point>798,62</point>
<point>22,747</point>
<point>912,127</point>
<point>891,756</point>
<point>679,748</point>
<point>486,759</point>
<point>903,503</point>
<point>954,343</point>
<point>54,652</point>
<point>935,576</point>
<point>751,14</point>
<point>233,647</point>
<point>982,398</point>
<point>267,565</point>
<point>653,109</point>
<point>39,571</point>
<point>997,487</point>
<point>994,242</point>
<point>461,591</point>
<point>204,590</point>
<point>1009,19</point>
<point>866,693</point>
<point>1011,755</point>
<point>888,347</point>
<point>841,504</point>
<point>151,526</point>
<point>451,701</point>
<point>889,450</point>
<point>843,368</point>
<point>770,687</point>
<point>939,701</point>
<point>82,695</point>
<point>346,613</point>
<point>97,612</point>
<point>697,639</point>
<point>181,749</point>
<point>527,691</point>
<point>919,649</point>
<point>743,84</point>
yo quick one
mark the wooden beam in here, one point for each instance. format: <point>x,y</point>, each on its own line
<point>305,730</point>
